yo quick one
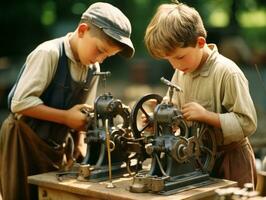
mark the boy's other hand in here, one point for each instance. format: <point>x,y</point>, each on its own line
<point>145,121</point>
<point>193,111</point>
<point>148,119</point>
<point>77,119</point>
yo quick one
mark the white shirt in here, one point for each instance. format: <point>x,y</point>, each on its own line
<point>221,87</point>
<point>41,65</point>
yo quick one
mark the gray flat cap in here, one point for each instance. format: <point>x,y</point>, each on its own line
<point>113,22</point>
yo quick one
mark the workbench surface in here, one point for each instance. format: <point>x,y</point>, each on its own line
<point>71,189</point>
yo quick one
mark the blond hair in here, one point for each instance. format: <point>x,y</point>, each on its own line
<point>173,25</point>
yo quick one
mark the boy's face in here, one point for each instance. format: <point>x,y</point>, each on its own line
<point>187,59</point>
<point>91,49</point>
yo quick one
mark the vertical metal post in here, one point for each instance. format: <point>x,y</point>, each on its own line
<point>110,184</point>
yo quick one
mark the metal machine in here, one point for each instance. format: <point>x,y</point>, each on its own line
<point>111,147</point>
<point>182,153</point>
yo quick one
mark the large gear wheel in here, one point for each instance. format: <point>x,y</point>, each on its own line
<point>143,106</point>
<point>207,144</point>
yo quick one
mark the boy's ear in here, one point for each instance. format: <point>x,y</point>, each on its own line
<point>82,28</point>
<point>201,41</point>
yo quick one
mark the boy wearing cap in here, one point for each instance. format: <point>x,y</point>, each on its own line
<point>55,83</point>
<point>215,90</point>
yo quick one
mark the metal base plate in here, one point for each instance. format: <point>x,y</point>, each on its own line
<point>186,182</point>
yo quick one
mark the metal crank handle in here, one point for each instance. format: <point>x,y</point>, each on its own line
<point>169,84</point>
<point>106,74</point>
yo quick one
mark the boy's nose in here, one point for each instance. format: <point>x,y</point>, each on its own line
<point>173,62</point>
<point>175,65</point>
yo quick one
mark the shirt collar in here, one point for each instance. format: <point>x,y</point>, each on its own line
<point>68,49</point>
<point>69,52</point>
<point>206,67</point>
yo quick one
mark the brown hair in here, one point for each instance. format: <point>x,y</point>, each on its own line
<point>173,25</point>
<point>99,33</point>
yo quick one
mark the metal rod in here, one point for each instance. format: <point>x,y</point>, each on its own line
<point>171,85</point>
<point>110,184</point>
<point>104,76</point>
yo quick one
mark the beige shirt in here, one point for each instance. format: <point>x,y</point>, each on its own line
<point>40,69</point>
<point>221,87</point>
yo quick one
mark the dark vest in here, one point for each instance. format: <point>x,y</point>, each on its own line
<point>62,93</point>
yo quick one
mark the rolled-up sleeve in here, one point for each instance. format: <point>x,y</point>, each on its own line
<point>241,119</point>
<point>37,75</point>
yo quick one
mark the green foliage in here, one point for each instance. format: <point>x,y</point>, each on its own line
<point>26,23</point>
<point>48,16</point>
<point>253,18</point>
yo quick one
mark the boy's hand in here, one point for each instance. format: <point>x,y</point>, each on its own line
<point>75,118</point>
<point>152,103</point>
<point>194,112</point>
<point>145,121</point>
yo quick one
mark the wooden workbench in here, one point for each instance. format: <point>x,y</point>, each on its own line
<point>71,189</point>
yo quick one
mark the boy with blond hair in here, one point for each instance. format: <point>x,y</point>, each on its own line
<point>55,83</point>
<point>215,90</point>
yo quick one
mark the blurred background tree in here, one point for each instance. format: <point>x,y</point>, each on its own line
<point>238,27</point>
<point>24,24</point>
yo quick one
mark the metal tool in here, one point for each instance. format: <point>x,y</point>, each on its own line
<point>236,193</point>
